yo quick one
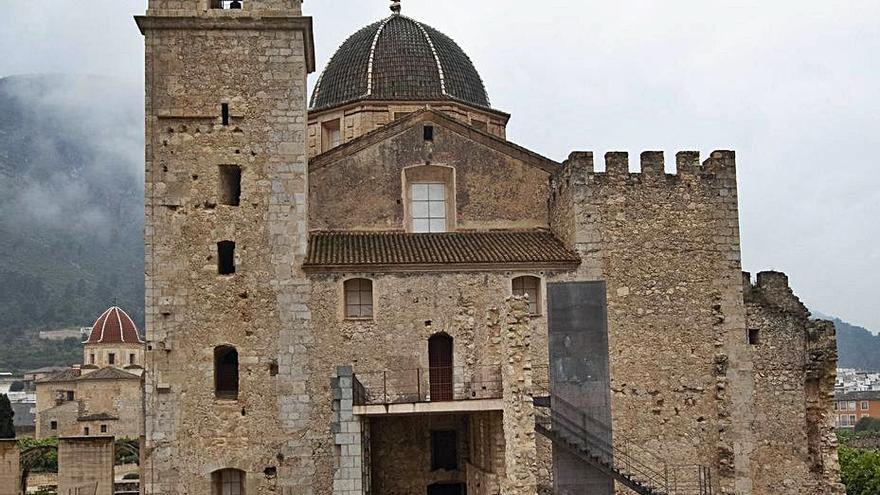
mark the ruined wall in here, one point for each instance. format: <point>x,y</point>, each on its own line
<point>667,247</point>
<point>795,363</point>
<point>485,468</point>
<point>258,66</point>
<point>360,118</point>
<point>364,191</point>
<point>85,462</point>
<point>10,472</point>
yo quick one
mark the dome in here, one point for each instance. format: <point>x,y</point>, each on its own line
<point>114,326</point>
<point>399,59</point>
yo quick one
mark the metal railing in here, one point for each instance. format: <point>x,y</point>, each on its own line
<point>588,431</point>
<point>440,384</point>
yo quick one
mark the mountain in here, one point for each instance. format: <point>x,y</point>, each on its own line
<point>857,347</point>
<point>71,205</point>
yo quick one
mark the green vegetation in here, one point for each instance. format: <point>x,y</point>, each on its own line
<point>48,463</point>
<point>26,352</point>
<point>860,469</point>
<point>858,348</point>
<point>7,428</point>
<point>868,425</point>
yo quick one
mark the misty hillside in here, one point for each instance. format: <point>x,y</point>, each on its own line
<point>858,348</point>
<point>71,214</point>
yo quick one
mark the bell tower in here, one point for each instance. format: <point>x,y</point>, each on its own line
<point>226,230</point>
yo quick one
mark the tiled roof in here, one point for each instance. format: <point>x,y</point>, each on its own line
<point>109,373</point>
<point>114,326</point>
<point>368,250</point>
<point>97,417</point>
<point>399,58</point>
<point>866,395</point>
<point>68,375</point>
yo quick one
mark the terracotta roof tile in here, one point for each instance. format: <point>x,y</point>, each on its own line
<point>355,249</point>
<point>114,326</point>
<point>109,373</point>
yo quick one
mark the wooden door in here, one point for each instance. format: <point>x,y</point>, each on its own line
<point>440,363</point>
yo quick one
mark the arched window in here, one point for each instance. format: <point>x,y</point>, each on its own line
<point>226,372</point>
<point>531,287</point>
<point>228,482</point>
<point>358,298</point>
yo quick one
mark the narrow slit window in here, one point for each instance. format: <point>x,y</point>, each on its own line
<point>53,425</point>
<point>226,372</point>
<point>429,133</point>
<point>226,257</point>
<point>754,336</point>
<point>428,207</point>
<point>359,298</point>
<point>111,358</point>
<point>131,359</point>
<point>531,287</point>
<point>86,431</point>
<point>224,113</point>
<point>230,185</point>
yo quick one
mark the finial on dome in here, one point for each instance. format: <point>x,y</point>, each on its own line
<point>395,7</point>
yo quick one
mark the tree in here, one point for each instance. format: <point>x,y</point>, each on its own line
<point>7,428</point>
<point>868,423</point>
<point>860,470</point>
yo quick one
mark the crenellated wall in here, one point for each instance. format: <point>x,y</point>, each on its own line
<point>667,246</point>
<point>795,364</point>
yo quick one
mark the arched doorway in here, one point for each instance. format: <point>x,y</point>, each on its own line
<point>440,365</point>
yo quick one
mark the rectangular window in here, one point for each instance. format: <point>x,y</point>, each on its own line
<point>103,428</point>
<point>70,395</point>
<point>227,4</point>
<point>479,124</point>
<point>226,257</point>
<point>754,336</point>
<point>92,359</point>
<point>53,425</point>
<point>359,298</point>
<point>851,406</point>
<point>111,358</point>
<point>332,134</point>
<point>865,405</point>
<point>429,133</point>
<point>86,430</point>
<point>224,113</point>
<point>230,482</point>
<point>531,287</point>
<point>444,450</point>
<point>230,185</point>
<point>428,207</point>
<point>852,420</point>
<point>131,359</point>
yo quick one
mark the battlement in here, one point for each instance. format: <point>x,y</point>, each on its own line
<point>652,163</point>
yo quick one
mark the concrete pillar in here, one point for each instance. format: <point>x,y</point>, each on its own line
<point>10,471</point>
<point>520,450</point>
<point>85,465</point>
<point>350,434</point>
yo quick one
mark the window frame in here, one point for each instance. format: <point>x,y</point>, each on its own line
<point>328,129</point>
<point>429,174</point>
<point>431,205</point>
<point>220,352</point>
<point>219,481</point>
<point>360,291</point>
<point>111,358</point>
<point>536,302</point>
<point>865,405</point>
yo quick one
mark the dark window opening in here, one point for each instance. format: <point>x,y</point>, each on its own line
<point>429,133</point>
<point>53,425</point>
<point>228,482</point>
<point>111,358</point>
<point>446,489</point>
<point>230,185</point>
<point>226,372</point>
<point>226,257</point>
<point>754,336</point>
<point>86,430</point>
<point>444,450</point>
<point>70,395</point>
<point>131,359</point>
<point>92,359</point>
<point>103,428</point>
<point>224,113</point>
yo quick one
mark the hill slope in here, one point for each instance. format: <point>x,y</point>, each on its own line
<point>71,207</point>
<point>857,347</point>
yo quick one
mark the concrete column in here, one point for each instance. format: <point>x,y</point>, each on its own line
<point>10,471</point>
<point>520,452</point>
<point>85,464</point>
<point>350,434</point>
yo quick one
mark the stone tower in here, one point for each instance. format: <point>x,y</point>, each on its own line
<point>226,212</point>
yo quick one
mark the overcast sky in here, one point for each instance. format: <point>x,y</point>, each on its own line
<point>792,86</point>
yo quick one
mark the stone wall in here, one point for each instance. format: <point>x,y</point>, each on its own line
<point>486,467</point>
<point>351,435</point>
<point>359,118</point>
<point>84,462</point>
<point>795,360</point>
<point>257,65</point>
<point>365,189</point>
<point>10,472</point>
<point>667,247</point>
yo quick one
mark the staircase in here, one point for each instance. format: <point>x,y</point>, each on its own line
<point>590,439</point>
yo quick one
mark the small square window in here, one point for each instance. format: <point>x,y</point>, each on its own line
<point>754,336</point>
<point>865,406</point>
<point>86,431</point>
<point>111,358</point>
<point>53,425</point>
<point>531,287</point>
<point>331,134</point>
<point>103,428</point>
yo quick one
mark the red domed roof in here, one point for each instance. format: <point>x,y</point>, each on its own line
<point>114,326</point>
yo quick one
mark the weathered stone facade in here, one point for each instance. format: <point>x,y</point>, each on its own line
<point>795,360</point>
<point>85,465</point>
<point>10,481</point>
<point>330,401</point>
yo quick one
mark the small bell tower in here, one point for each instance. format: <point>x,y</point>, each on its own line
<point>226,231</point>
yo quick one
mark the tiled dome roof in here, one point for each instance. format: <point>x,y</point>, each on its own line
<point>114,326</point>
<point>399,59</point>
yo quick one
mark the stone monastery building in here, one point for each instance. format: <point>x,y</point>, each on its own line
<point>103,396</point>
<point>378,293</point>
